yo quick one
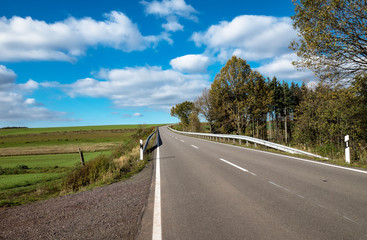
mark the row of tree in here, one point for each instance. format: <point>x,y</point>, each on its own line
<point>333,44</point>
<point>242,101</point>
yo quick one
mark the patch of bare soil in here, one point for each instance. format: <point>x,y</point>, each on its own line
<point>109,212</point>
<point>17,151</point>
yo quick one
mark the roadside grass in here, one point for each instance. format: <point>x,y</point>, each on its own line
<point>122,163</point>
<point>335,160</point>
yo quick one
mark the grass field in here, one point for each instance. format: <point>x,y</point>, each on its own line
<point>47,161</point>
<point>20,131</point>
<point>26,178</point>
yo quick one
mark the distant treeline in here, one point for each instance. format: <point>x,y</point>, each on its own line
<point>12,127</point>
<point>242,101</point>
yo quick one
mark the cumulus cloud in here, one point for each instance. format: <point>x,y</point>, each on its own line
<point>191,63</point>
<point>13,104</point>
<point>141,86</point>
<point>7,77</point>
<point>172,25</point>
<point>282,68</point>
<point>248,36</point>
<point>170,10</point>
<point>30,39</point>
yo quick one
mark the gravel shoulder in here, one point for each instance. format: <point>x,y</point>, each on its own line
<point>110,212</point>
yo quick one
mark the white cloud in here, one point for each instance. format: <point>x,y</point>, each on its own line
<point>137,115</point>
<point>171,10</point>
<point>30,101</point>
<point>191,63</point>
<point>7,77</point>
<point>250,37</point>
<point>141,86</point>
<point>172,25</point>
<point>29,39</point>
<point>282,68</point>
<point>13,104</point>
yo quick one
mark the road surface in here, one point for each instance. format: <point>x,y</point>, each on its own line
<point>210,190</point>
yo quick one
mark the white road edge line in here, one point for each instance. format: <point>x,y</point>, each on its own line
<point>157,218</point>
<point>194,146</point>
<point>234,165</point>
<point>285,189</point>
<point>182,140</point>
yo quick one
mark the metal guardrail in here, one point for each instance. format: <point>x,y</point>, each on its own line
<point>148,139</point>
<point>253,140</point>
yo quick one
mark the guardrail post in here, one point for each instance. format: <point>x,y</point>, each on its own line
<point>239,141</point>
<point>141,149</point>
<point>246,143</point>
<point>347,150</point>
<point>255,145</point>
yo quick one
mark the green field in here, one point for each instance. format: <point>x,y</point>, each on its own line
<point>23,180</point>
<point>19,131</point>
<point>26,178</point>
<point>47,161</point>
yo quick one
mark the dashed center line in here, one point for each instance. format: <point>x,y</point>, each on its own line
<point>234,165</point>
<point>285,189</point>
<point>194,146</point>
<point>182,140</point>
<point>350,219</point>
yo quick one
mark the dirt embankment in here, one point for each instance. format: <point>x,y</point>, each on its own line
<point>109,212</point>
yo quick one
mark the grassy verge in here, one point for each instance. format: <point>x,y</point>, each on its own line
<point>332,160</point>
<point>122,163</point>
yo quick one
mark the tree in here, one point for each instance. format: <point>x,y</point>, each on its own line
<point>194,122</point>
<point>204,106</point>
<point>182,111</point>
<point>333,37</point>
<point>228,96</point>
<point>261,96</point>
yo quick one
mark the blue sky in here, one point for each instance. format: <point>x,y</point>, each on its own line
<point>75,63</point>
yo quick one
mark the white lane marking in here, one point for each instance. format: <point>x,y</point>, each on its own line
<point>295,158</point>
<point>350,219</point>
<point>300,196</point>
<point>285,189</point>
<point>157,219</point>
<point>182,140</point>
<point>321,206</point>
<point>194,146</point>
<point>234,165</point>
<point>175,137</point>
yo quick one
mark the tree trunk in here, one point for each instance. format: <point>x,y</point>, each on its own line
<point>285,126</point>
<point>270,121</point>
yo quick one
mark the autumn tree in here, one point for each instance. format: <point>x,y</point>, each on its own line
<point>333,37</point>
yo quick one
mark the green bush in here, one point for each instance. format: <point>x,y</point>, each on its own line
<point>88,174</point>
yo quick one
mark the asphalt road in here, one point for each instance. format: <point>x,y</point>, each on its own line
<point>215,191</point>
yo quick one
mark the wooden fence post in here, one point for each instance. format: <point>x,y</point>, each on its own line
<point>81,156</point>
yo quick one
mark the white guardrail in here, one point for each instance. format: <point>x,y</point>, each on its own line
<point>251,139</point>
